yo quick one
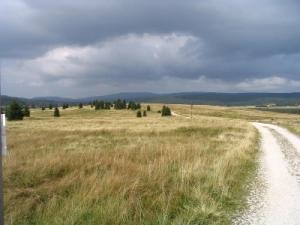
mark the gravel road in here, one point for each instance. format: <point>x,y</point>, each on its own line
<point>275,192</point>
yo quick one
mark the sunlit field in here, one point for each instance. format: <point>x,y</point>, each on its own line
<point>110,167</point>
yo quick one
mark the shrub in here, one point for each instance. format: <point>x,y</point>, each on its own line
<point>139,114</point>
<point>43,108</point>
<point>14,111</point>
<point>166,111</point>
<point>26,111</point>
<point>148,108</point>
<point>145,113</point>
<point>56,112</point>
<point>80,105</point>
<point>50,106</point>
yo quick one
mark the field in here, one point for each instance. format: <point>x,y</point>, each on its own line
<point>291,110</point>
<point>109,167</point>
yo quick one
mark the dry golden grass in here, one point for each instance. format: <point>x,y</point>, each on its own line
<point>109,167</point>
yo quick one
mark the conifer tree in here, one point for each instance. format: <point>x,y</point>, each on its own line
<point>50,106</point>
<point>148,108</point>
<point>43,108</point>
<point>65,106</point>
<point>119,104</point>
<point>107,105</point>
<point>26,112</point>
<point>14,111</point>
<point>80,105</point>
<point>144,113</point>
<point>166,111</point>
<point>139,114</point>
<point>56,112</point>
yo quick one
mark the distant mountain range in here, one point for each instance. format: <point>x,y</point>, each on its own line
<point>209,98</point>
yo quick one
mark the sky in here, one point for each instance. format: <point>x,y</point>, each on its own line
<point>72,48</point>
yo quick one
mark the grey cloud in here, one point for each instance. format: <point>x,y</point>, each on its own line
<point>228,41</point>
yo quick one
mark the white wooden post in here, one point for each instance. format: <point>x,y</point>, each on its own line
<point>3,134</point>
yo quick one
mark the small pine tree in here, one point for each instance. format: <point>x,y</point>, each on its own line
<point>148,108</point>
<point>166,111</point>
<point>139,114</point>
<point>50,106</point>
<point>80,105</point>
<point>98,105</point>
<point>144,113</point>
<point>43,108</point>
<point>56,112</point>
<point>14,111</point>
<point>26,111</point>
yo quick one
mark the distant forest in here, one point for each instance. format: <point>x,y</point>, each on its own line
<point>224,99</point>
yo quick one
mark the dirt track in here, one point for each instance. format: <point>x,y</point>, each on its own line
<point>275,193</point>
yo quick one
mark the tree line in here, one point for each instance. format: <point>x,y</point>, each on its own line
<point>16,111</point>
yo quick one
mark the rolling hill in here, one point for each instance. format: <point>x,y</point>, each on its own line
<point>207,98</point>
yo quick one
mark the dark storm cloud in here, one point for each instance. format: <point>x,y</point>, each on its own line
<point>112,42</point>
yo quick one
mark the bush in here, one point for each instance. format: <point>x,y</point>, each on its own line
<point>43,108</point>
<point>56,112</point>
<point>166,111</point>
<point>145,113</point>
<point>26,111</point>
<point>148,108</point>
<point>14,111</point>
<point>80,106</point>
<point>139,114</point>
<point>50,106</point>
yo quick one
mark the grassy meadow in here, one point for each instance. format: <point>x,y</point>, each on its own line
<point>110,167</point>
